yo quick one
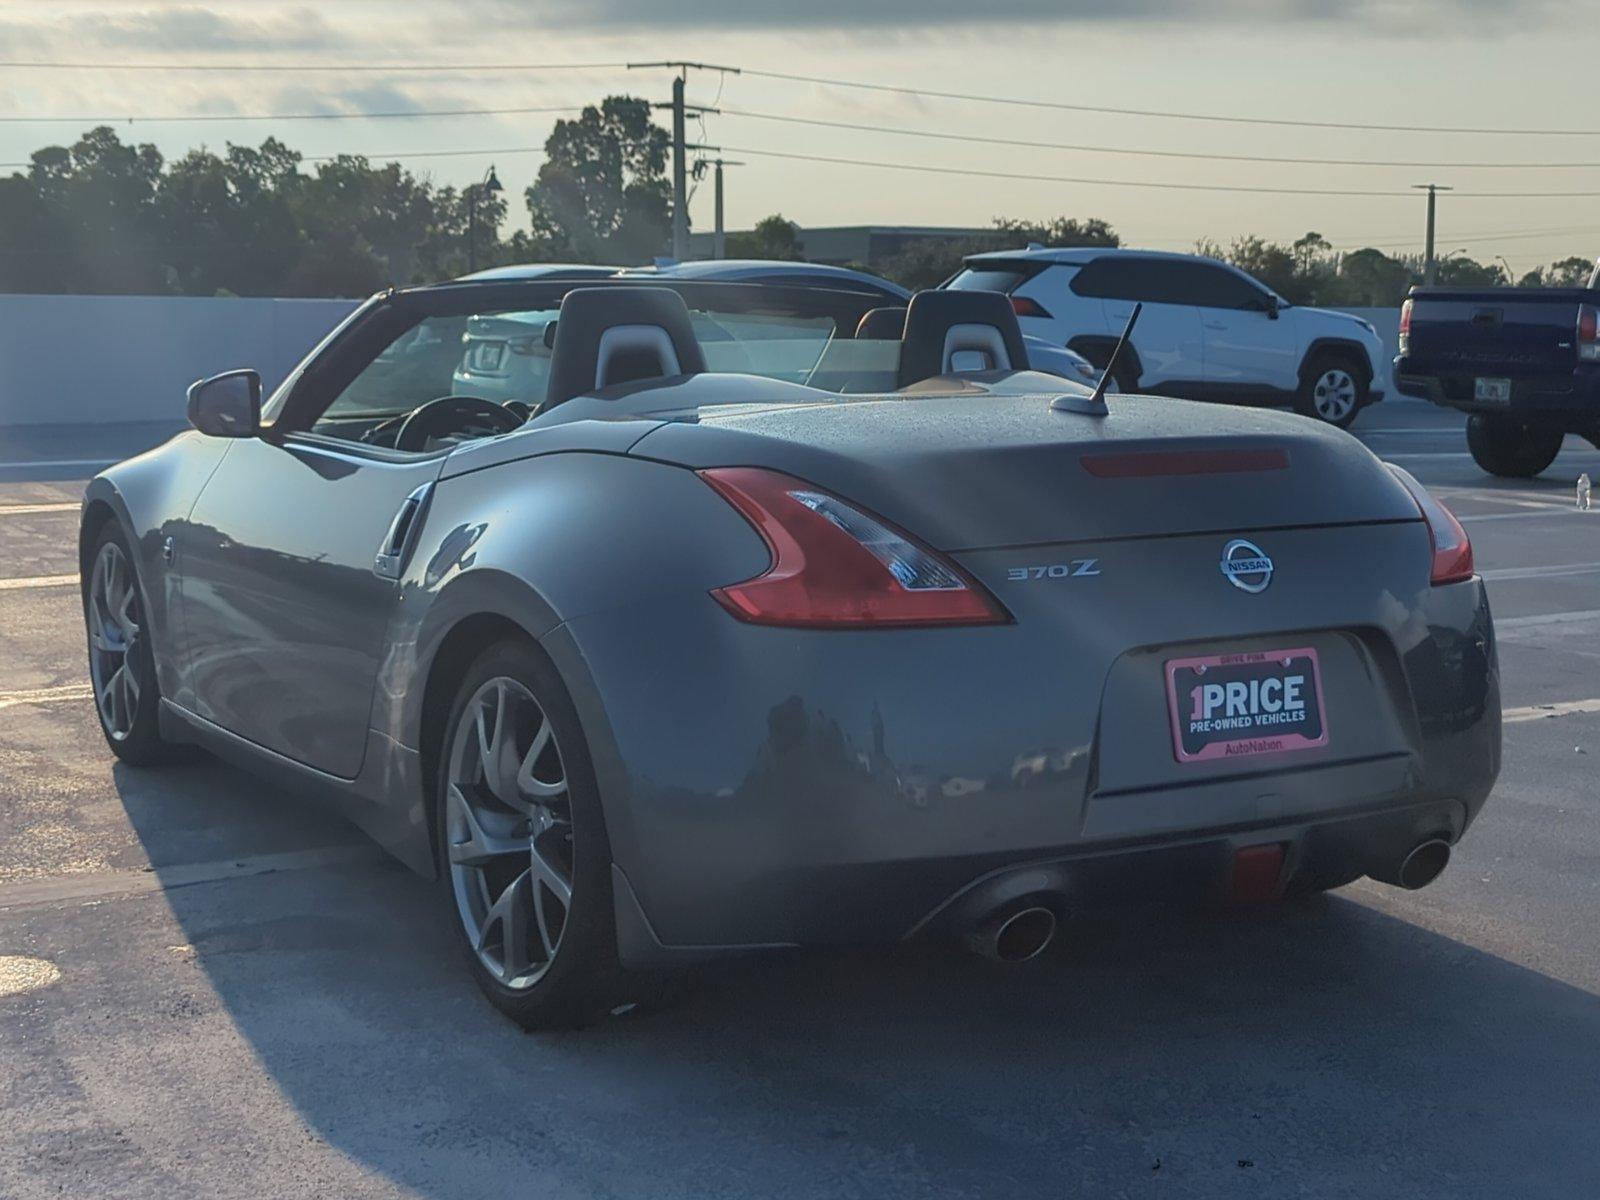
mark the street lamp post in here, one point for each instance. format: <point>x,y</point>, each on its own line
<point>490,185</point>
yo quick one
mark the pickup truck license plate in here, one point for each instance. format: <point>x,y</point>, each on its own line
<point>1492,391</point>
<point>1241,705</point>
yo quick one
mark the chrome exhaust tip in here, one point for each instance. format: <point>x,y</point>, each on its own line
<point>1017,936</point>
<point>1424,863</point>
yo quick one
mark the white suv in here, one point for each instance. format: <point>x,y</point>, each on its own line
<point>1208,330</point>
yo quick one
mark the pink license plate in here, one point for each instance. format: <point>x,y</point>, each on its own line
<point>1242,705</point>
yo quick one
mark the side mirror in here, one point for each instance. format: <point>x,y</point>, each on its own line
<point>227,405</point>
<point>1270,307</point>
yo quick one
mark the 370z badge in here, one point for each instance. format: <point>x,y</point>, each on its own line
<point>1078,568</point>
<point>1238,705</point>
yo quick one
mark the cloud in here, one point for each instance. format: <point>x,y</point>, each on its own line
<point>169,29</point>
<point>620,17</point>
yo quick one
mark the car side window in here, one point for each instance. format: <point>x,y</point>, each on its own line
<point>1151,280</point>
<point>1218,287</point>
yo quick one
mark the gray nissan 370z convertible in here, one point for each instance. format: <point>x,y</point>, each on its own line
<point>764,620</point>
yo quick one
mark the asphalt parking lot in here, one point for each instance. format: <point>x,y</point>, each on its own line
<point>218,990</point>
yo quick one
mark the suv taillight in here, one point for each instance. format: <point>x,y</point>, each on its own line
<point>1452,548</point>
<point>1405,327</point>
<point>1588,332</point>
<point>1026,306</point>
<point>835,566</point>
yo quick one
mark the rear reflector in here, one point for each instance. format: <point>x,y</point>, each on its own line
<point>1185,462</point>
<point>1257,873</point>
<point>1452,548</point>
<point>835,566</point>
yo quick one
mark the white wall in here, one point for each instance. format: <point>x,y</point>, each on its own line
<point>70,359</point>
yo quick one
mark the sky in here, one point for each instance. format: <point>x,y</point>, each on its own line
<point>1487,65</point>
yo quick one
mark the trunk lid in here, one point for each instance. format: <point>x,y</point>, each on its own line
<point>1516,333</point>
<point>982,470</point>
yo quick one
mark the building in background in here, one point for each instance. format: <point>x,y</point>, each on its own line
<point>866,245</point>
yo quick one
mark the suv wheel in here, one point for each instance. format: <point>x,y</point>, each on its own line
<point>1332,389</point>
<point>1509,449</point>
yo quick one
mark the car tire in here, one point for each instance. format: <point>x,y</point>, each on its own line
<point>122,668</point>
<point>1511,450</point>
<point>1333,389</point>
<point>526,839</point>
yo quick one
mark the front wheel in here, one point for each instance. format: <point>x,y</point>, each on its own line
<point>122,668</point>
<point>1331,390</point>
<point>1509,449</point>
<point>524,857</point>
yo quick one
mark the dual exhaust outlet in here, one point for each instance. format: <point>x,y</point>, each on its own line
<point>1017,934</point>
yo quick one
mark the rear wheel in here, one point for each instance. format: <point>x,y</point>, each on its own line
<point>523,851</point>
<point>122,668</point>
<point>1510,449</point>
<point>1332,389</point>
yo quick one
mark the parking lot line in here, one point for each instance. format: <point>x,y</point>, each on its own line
<point>22,510</point>
<point>37,581</point>
<point>1511,624</point>
<point>1555,572</point>
<point>1544,510</point>
<point>1535,712</point>
<point>55,464</point>
<point>49,695</point>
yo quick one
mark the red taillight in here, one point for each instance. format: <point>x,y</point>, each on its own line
<point>1452,548</point>
<point>835,566</point>
<point>1405,327</point>
<point>1026,306</point>
<point>1588,332</point>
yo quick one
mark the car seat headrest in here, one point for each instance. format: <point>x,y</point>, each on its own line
<point>610,335</point>
<point>942,325</point>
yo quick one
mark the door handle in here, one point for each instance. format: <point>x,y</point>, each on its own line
<point>397,543</point>
<point>1210,325</point>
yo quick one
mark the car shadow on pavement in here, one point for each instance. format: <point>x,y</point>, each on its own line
<point>1318,1048</point>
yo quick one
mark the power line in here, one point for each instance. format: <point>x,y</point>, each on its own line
<point>1170,116</point>
<point>397,114</point>
<point>1034,145</point>
<point>380,68</point>
<point>1137,183</point>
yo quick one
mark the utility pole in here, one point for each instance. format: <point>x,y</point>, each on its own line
<point>719,238</point>
<point>680,150</point>
<point>1430,264</point>
<point>680,184</point>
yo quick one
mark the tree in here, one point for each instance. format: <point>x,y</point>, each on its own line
<point>1369,278</point>
<point>1458,270</point>
<point>1567,272</point>
<point>1057,232</point>
<point>98,199</point>
<point>925,264</point>
<point>772,237</point>
<point>602,194</point>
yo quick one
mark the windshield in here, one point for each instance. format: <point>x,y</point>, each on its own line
<point>504,357</point>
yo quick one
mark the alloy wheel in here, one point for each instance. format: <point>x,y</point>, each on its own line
<point>1334,394</point>
<point>114,631</point>
<point>508,833</point>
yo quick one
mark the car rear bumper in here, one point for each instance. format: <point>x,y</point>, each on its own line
<point>1570,402</point>
<point>777,787</point>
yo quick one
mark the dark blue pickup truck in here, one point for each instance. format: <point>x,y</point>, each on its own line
<point>1523,362</point>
